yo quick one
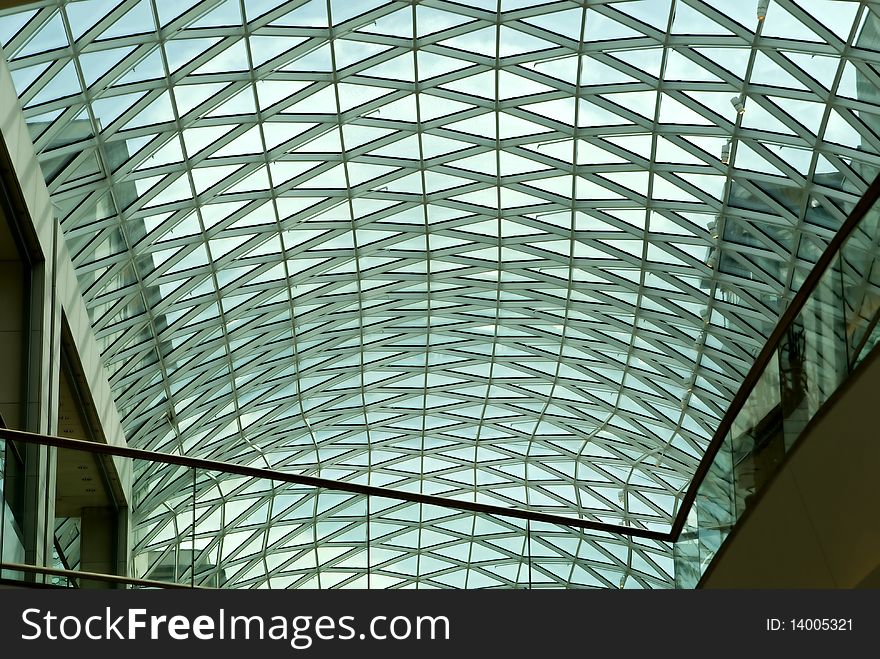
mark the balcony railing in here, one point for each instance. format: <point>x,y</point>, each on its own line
<point>821,339</point>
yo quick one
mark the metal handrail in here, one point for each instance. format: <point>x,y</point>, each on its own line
<point>89,576</point>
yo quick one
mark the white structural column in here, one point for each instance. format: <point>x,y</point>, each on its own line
<point>54,295</point>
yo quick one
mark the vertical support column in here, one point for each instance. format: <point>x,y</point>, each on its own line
<point>13,352</point>
<point>123,534</point>
<point>42,410</point>
<point>98,544</point>
<point>12,340</point>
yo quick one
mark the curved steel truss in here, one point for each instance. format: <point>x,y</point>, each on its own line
<point>517,252</point>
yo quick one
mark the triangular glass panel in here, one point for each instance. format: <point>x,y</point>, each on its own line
<point>514,42</point>
<point>566,23</point>
<point>321,101</point>
<point>666,189</point>
<point>24,77</point>
<point>233,58</point>
<point>510,126</point>
<point>690,21</point>
<point>780,23</point>
<point>312,13</point>
<point>150,67</point>
<point>806,113</point>
<point>189,97</point>
<point>396,23</point>
<point>138,20</point>
<point>158,111</point>
<point>558,185</point>
<point>681,67</point>
<point>590,189</point>
<point>636,181</point>
<point>511,85</point>
<point>516,199</point>
<point>182,51</point>
<point>226,14</point>
<point>242,103</point>
<point>594,72</point>
<point>747,158</point>
<point>277,133</point>
<point>349,52</point>
<point>711,184</point>
<point>284,171</point>
<point>638,144</point>
<point>647,60</point>
<point>167,154</point>
<point>352,96</point>
<point>264,49</point>
<point>12,24</point>
<point>403,109</point>
<point>271,92</point>
<point>319,59</point>
<point>653,13</point>
<point>642,103</point>
<point>434,182</point>
<point>668,151</point>
<point>49,36</point>
<point>733,60</point>
<point>431,21</point>
<point>359,173</point>
<point>758,117</point>
<point>356,136</point>
<point>343,11</point>
<point>593,114</point>
<point>822,68</point>
<point>768,71</point>
<point>169,10</point>
<point>196,139</point>
<point>673,111</point>
<point>254,9</point>
<point>64,83</point>
<point>559,68</point>
<point>480,84</point>
<point>328,142</point>
<point>480,41</point>
<point>434,107</point>
<point>600,27</point>
<point>248,143</point>
<point>257,180</point>
<point>840,129</point>
<point>206,177</point>
<point>83,16</point>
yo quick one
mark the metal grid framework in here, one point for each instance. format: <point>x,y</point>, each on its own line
<point>517,252</point>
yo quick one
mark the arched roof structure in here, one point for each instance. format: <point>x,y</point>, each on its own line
<point>518,252</point>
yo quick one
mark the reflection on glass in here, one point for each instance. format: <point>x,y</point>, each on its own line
<point>833,332</point>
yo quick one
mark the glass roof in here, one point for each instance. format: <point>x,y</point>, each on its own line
<point>517,252</point>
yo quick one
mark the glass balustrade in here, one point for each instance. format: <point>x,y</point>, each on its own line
<point>834,331</point>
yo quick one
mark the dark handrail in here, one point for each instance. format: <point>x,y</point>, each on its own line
<point>325,483</point>
<point>90,576</point>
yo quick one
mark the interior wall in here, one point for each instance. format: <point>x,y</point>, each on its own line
<point>816,525</point>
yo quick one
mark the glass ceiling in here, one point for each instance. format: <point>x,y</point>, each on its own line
<point>516,252</point>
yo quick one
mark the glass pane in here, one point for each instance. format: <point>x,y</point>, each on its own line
<point>812,354</point>
<point>860,281</point>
